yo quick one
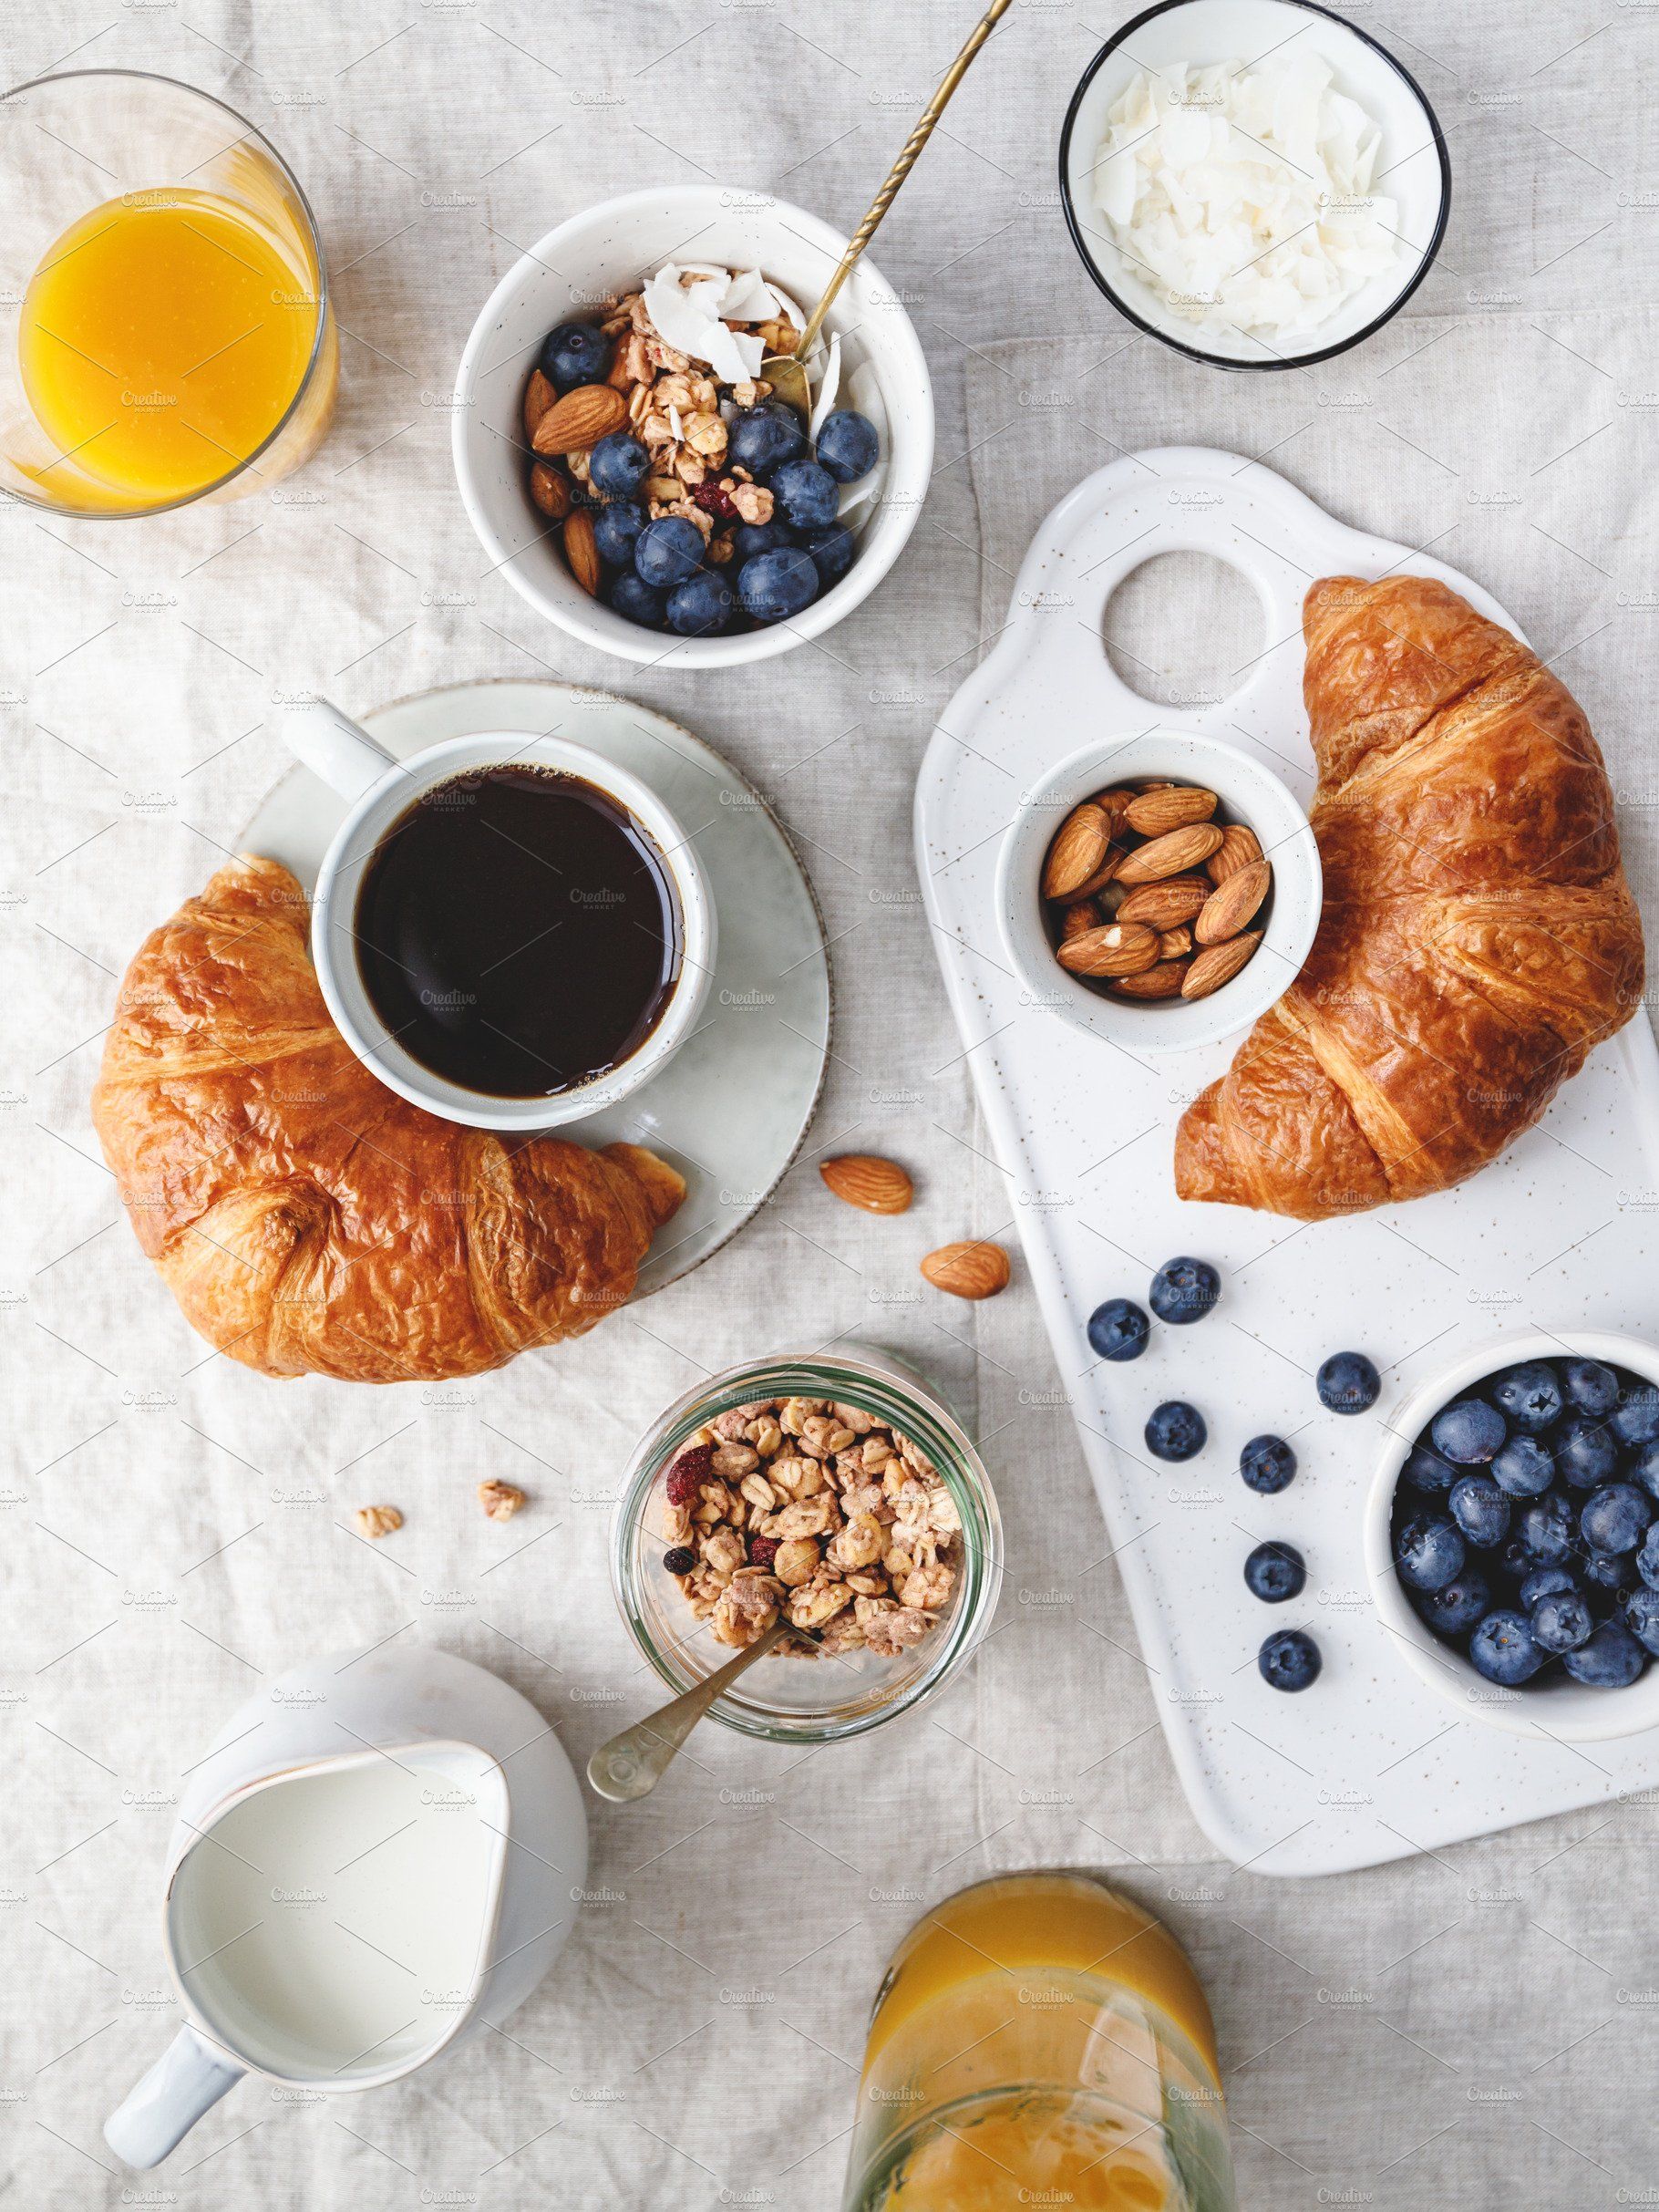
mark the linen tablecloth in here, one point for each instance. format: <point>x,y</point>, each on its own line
<point>1473,2026</point>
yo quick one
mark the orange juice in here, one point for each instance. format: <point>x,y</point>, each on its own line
<point>163,337</point>
<point>1040,2040</point>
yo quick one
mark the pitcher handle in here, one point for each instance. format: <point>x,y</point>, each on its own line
<point>336,748</point>
<point>187,2079</point>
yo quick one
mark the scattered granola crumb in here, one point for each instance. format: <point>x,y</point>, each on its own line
<point>500,1501</point>
<point>375,1521</point>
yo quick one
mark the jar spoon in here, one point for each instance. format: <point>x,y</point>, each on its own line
<point>632,1763</point>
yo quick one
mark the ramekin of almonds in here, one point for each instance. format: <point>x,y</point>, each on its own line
<point>623,455</point>
<point>835,1489</point>
<point>1161,890</point>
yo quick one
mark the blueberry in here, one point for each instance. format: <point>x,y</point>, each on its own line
<point>763,438</point>
<point>1348,1383</point>
<point>669,550</point>
<point>701,606</point>
<point>636,601</point>
<point>1584,1451</point>
<point>1480,1510</point>
<point>1289,1660</point>
<point>1525,1468</point>
<point>1530,1396</point>
<point>1184,1290</point>
<point>775,585</point>
<point>680,1560</point>
<point>1274,1572</point>
<point>832,549</point>
<point>1642,1615</point>
<point>618,465</point>
<point>1503,1650</point>
<point>1119,1329</point>
<point>1614,1571</point>
<point>848,445</point>
<point>1647,1559</point>
<point>1176,1431</point>
<point>1267,1463</point>
<point>1458,1605</point>
<point>1429,1551</point>
<point>748,539</point>
<point>616,528</point>
<point>1636,1421</point>
<point>1426,1470</point>
<point>1590,1386</point>
<point>1559,1621</point>
<point>1470,1432</point>
<point>1611,1659</point>
<point>1545,1582</point>
<point>805,494</point>
<point>1615,1517</point>
<point>1542,1532</point>
<point>1644,1467</point>
<point>576,353</point>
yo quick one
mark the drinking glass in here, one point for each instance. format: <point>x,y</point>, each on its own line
<point>117,141</point>
<point>1040,2039</point>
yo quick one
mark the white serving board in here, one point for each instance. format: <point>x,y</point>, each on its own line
<point>1368,1764</point>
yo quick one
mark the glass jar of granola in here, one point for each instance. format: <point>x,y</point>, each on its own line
<point>836,1488</point>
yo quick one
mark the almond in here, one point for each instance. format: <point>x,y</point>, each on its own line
<point>1082,915</point>
<point>539,396</point>
<point>1238,848</point>
<point>550,489</point>
<point>1178,898</point>
<point>1154,813</point>
<point>1163,981</point>
<point>1113,804</point>
<point>1233,903</point>
<point>581,552</point>
<point>580,420</point>
<point>1104,874</point>
<point>1078,848</point>
<point>1218,964</point>
<point>861,1179</point>
<point>968,1271</point>
<point>1118,949</point>
<point>1171,854</point>
<point>1174,944</point>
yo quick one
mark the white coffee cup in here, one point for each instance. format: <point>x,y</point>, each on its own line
<point>381,789</point>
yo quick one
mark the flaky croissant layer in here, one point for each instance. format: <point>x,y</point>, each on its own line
<point>1477,936</point>
<point>307,1219</point>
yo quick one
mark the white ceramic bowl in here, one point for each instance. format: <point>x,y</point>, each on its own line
<point>1412,164</point>
<point>334,904</point>
<point>610,248</point>
<point>1562,1710</point>
<point>1249,794</point>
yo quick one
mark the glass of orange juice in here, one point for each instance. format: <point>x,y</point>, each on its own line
<point>1040,2040</point>
<point>173,336</point>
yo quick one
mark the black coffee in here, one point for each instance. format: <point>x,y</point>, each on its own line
<point>517,931</point>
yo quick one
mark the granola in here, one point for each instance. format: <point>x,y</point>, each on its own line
<point>817,1510</point>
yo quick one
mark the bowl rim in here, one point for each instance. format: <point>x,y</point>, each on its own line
<point>1198,353</point>
<point>657,647</point>
<point>1570,1709</point>
<point>1205,1023</point>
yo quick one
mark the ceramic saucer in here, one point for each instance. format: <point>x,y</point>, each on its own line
<point>733,1106</point>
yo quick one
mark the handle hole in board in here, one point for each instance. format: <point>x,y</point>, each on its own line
<point>1184,629</point>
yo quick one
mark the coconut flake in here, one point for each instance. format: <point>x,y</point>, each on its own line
<point>747,298</point>
<point>830,384</point>
<point>687,317</point>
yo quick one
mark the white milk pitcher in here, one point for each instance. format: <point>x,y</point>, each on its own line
<point>342,1898</point>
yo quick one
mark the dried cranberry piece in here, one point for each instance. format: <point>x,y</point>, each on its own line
<point>680,1560</point>
<point>713,498</point>
<point>689,1473</point>
<point>762,1550</point>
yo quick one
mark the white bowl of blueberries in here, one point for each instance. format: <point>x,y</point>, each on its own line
<point>1512,1535</point>
<point>708,588</point>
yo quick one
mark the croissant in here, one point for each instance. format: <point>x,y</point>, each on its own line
<point>307,1219</point>
<point>1478,935</point>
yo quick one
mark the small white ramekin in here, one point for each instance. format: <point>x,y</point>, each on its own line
<point>610,249</point>
<point>1557,1711</point>
<point>1249,794</point>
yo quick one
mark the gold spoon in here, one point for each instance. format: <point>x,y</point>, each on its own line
<point>631,1764</point>
<point>785,372</point>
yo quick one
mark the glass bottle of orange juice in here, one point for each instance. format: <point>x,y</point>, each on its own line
<point>1040,2040</point>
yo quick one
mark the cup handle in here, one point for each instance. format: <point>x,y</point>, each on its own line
<point>336,748</point>
<point>187,2079</point>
